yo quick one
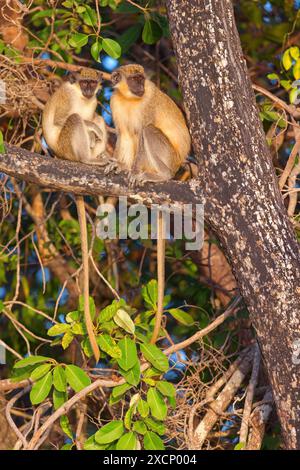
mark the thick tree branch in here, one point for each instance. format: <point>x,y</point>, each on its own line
<point>84,179</point>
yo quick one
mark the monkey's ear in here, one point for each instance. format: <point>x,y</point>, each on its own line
<point>72,77</point>
<point>115,78</point>
<point>100,76</point>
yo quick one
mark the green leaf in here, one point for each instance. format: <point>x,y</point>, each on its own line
<point>2,147</point>
<point>129,353</point>
<point>67,446</point>
<point>67,339</point>
<point>240,446</point>
<point>143,408</point>
<point>80,9</point>
<point>123,320</point>
<point>150,293</point>
<point>110,432</point>
<point>286,84</point>
<point>108,345</point>
<point>28,361</point>
<point>296,70</point>
<point>78,329</point>
<point>40,371</point>
<point>59,379</point>
<point>153,442</point>
<point>96,49</point>
<point>181,316</point>
<point>152,372</point>
<point>152,32</point>
<point>154,355</point>
<point>139,427</point>
<point>40,389</point>
<point>127,442</point>
<point>89,16</point>
<point>86,347</point>
<point>112,48</point>
<point>77,378</point>
<point>151,382</point>
<point>119,390</point>
<point>128,417</point>
<point>133,376</point>
<point>129,37</point>
<point>109,312</point>
<point>294,94</point>
<point>59,398</point>
<point>157,405</point>
<point>73,316</point>
<point>155,426</point>
<point>294,52</point>
<point>273,76</point>
<point>78,40</point>
<point>166,388</point>
<point>58,329</point>
<point>91,444</point>
<point>68,3</point>
<point>65,426</point>
<point>287,60</point>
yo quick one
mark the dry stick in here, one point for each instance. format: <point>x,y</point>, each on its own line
<point>11,422</point>
<point>259,419</point>
<point>7,385</point>
<point>161,245</point>
<point>85,262</point>
<point>225,377</point>
<point>250,395</point>
<point>292,158</point>
<point>15,353</point>
<point>292,184</point>
<point>115,293</point>
<point>36,440</point>
<point>221,403</point>
<point>57,64</point>
<point>291,109</point>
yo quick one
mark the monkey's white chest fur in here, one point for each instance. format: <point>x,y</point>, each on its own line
<point>128,119</point>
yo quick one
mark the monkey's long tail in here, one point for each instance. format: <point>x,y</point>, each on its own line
<point>85,262</point>
<point>161,244</point>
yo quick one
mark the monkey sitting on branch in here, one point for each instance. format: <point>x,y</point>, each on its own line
<point>153,141</point>
<point>73,131</point>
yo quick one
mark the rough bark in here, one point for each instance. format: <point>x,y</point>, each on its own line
<point>62,175</point>
<point>243,201</point>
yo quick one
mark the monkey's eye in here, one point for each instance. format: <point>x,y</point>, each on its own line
<point>116,78</point>
<point>138,77</point>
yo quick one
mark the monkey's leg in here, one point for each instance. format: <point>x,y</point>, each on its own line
<point>95,133</point>
<point>73,142</point>
<point>161,248</point>
<point>154,159</point>
<point>85,262</point>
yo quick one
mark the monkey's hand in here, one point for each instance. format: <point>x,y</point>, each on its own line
<point>140,179</point>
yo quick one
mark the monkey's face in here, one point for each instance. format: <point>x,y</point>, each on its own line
<point>131,86</point>
<point>89,88</point>
<point>136,84</point>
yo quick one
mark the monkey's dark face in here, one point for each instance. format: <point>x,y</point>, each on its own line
<point>88,88</point>
<point>136,84</point>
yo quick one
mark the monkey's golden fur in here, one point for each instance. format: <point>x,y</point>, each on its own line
<point>153,138</point>
<point>71,127</point>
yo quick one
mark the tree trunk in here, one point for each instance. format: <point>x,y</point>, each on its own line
<point>243,202</point>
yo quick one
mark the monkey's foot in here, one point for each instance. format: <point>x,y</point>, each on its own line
<point>111,166</point>
<point>135,179</point>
